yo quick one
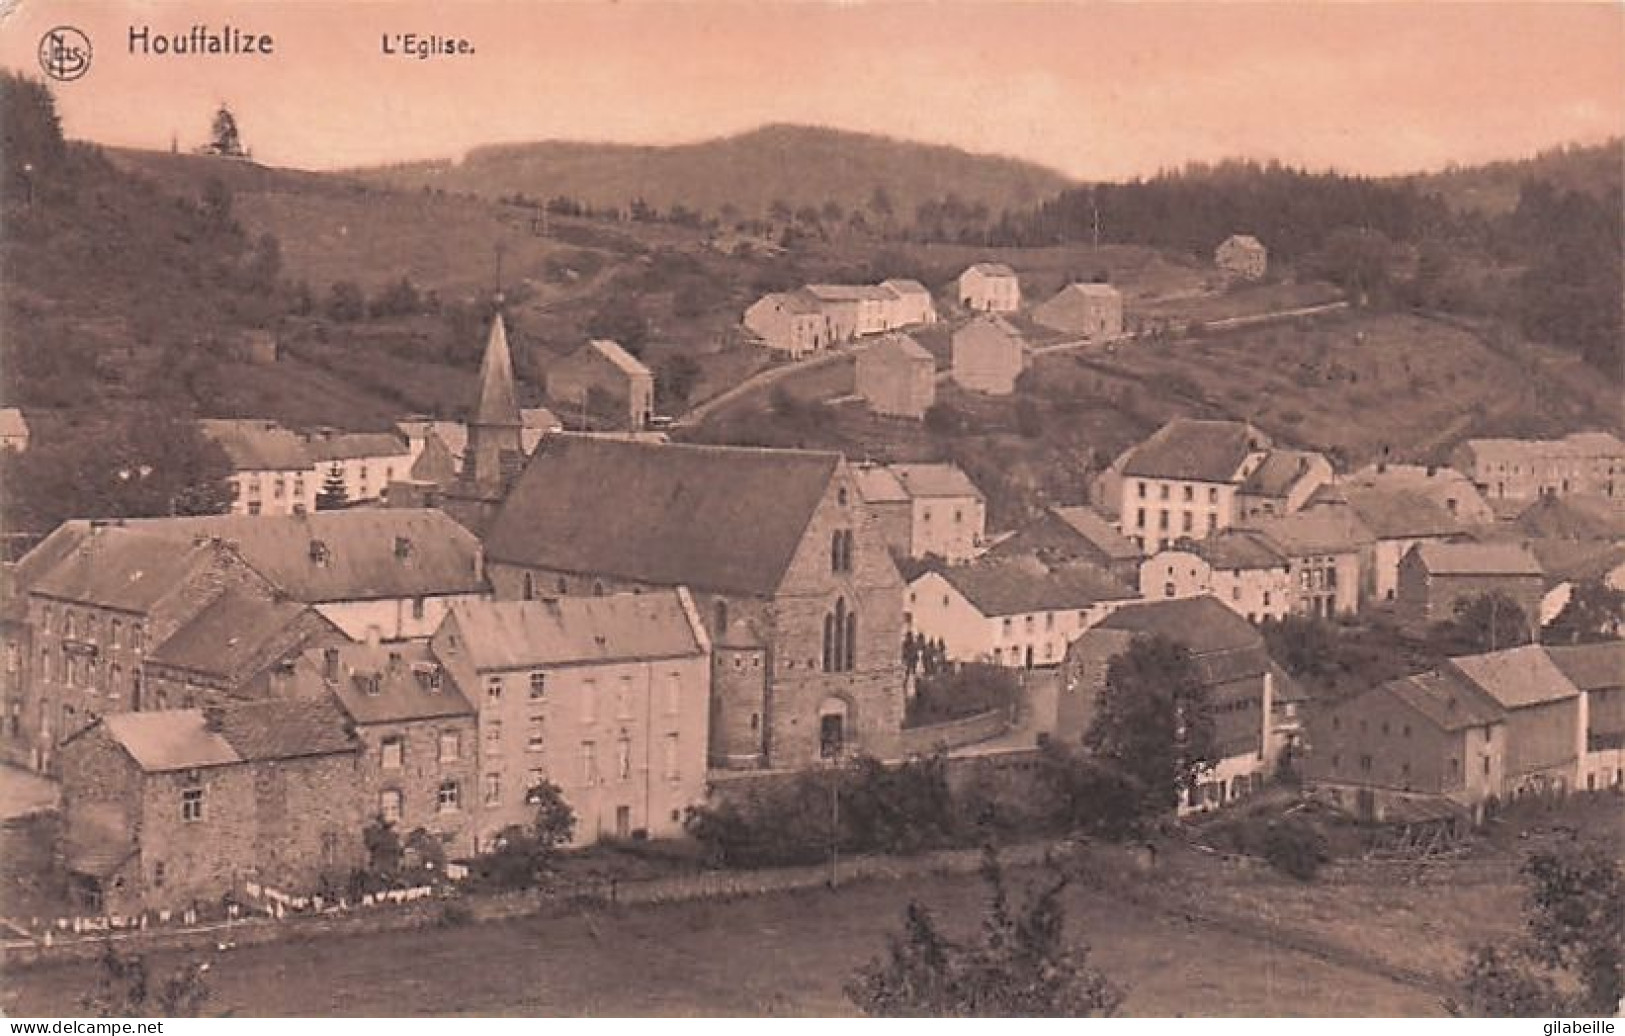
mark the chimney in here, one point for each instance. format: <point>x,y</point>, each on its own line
<point>214,718</point>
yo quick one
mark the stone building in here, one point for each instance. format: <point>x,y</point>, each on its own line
<point>601,369</point>
<point>165,810</point>
<point>418,761</point>
<point>1587,463</point>
<point>1435,577</point>
<point>272,472</point>
<point>778,537</point>
<point>1183,481</point>
<point>365,463</point>
<point>989,354</point>
<point>990,288</point>
<point>1076,533</point>
<point>607,697</point>
<point>897,378</point>
<point>925,510</point>
<point>1094,311</point>
<point>1242,256</point>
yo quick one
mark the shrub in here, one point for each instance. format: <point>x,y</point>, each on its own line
<point>1295,847</point>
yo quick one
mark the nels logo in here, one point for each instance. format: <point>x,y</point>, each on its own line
<point>64,53</point>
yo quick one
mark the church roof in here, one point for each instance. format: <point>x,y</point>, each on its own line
<point>497,403</point>
<point>715,518</point>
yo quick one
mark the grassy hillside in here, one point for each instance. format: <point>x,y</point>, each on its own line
<point>798,165</point>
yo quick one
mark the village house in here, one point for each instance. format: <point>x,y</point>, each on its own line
<point>1324,548</point>
<point>989,354</point>
<point>779,537</point>
<point>791,323</point>
<point>1183,480</point>
<point>1591,463</point>
<point>1242,256</point>
<point>101,608</point>
<point>1543,712</point>
<point>1395,521</point>
<point>167,810</point>
<point>241,647</point>
<point>1598,671</point>
<point>272,471</point>
<point>1436,577</point>
<point>1423,748</point>
<point>910,303</point>
<point>1094,311</point>
<point>452,437</point>
<point>1015,612</point>
<point>1577,517</point>
<point>855,310</point>
<point>1281,484</point>
<point>925,510</point>
<point>601,369</point>
<point>375,573</point>
<point>1445,488</point>
<point>418,761</point>
<point>990,288</point>
<point>13,430</point>
<point>608,698</point>
<point>1077,533</point>
<point>897,378</point>
<point>19,690</point>
<point>1254,704</point>
<point>1242,569</point>
<point>365,463</point>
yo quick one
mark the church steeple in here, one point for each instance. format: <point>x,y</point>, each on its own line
<point>494,429</point>
<point>498,404</point>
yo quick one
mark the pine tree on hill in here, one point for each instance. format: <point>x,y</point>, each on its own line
<point>332,495</point>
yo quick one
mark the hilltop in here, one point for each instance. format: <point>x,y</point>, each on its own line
<point>1493,189</point>
<point>744,174</point>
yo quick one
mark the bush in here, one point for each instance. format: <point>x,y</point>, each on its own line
<point>968,690</point>
<point>1295,847</point>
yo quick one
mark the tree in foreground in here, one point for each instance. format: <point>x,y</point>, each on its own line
<point>1020,965</point>
<point>124,989</point>
<point>1153,721</point>
<point>1571,960</point>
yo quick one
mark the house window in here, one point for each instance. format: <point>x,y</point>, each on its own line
<point>623,759</point>
<point>192,804</point>
<point>1168,589</point>
<point>1162,520</point>
<point>672,772</point>
<point>392,753</point>
<point>493,789</point>
<point>113,633</point>
<point>451,746</point>
<point>1164,493</point>
<point>1142,490</point>
<point>1139,517</point>
<point>530,587</point>
<point>840,496</point>
<point>1365,764</point>
<point>533,783</point>
<point>493,737</point>
<point>538,686</point>
<point>159,873</point>
<point>535,734</point>
<point>589,763</point>
<point>389,805</point>
<point>589,700</point>
<point>449,797</point>
<point>493,690</point>
<point>1190,493</point>
<point>623,698</point>
<point>1185,521</point>
<point>674,693</point>
<point>1213,496</point>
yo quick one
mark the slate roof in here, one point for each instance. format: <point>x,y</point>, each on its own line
<point>1517,677</point>
<point>905,286</point>
<point>405,690</point>
<point>1574,517</point>
<point>904,346</point>
<point>717,518</point>
<point>499,635</point>
<point>452,434</point>
<point>847,292</point>
<point>1577,560</point>
<point>1195,451</point>
<point>1322,529</point>
<point>1069,308</point>
<point>1020,586</point>
<point>1470,559</point>
<point>628,364</point>
<point>264,730</point>
<point>1202,624</point>
<point>173,739</point>
<point>1443,701</point>
<point>878,485</point>
<point>326,447</point>
<point>253,445</point>
<point>1397,514</point>
<point>990,270</point>
<point>1236,550</point>
<point>496,405</point>
<point>935,480</point>
<point>1591,667</point>
<point>1098,532</point>
<point>361,560</point>
<point>1243,240</point>
<point>1278,472</point>
<point>17,578</point>
<point>122,568</point>
<point>236,636</point>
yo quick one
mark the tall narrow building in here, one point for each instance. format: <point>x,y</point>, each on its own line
<point>495,450</point>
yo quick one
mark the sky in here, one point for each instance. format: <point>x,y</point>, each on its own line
<point>1094,90</point>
